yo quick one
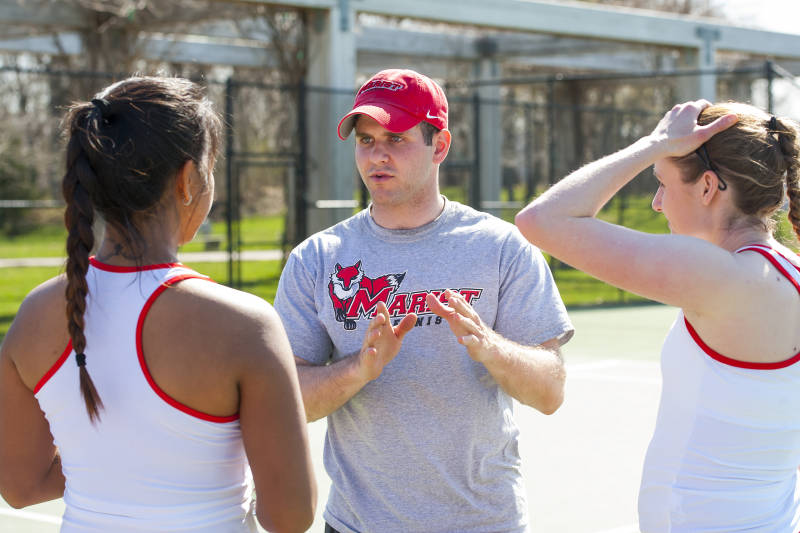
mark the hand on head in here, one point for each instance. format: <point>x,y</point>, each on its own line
<point>680,133</point>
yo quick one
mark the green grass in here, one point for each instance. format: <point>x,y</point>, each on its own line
<point>15,283</point>
<point>581,290</point>
<point>259,278</point>
<point>44,241</point>
<point>49,241</point>
<point>257,233</point>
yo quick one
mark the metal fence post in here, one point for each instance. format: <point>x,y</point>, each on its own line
<point>770,77</point>
<point>474,197</point>
<point>529,177</point>
<point>229,151</point>
<point>551,131</point>
<point>299,201</point>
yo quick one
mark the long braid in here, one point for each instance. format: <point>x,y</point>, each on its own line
<point>787,136</point>
<point>124,150</point>
<point>78,218</point>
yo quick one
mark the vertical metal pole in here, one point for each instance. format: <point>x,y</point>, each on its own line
<point>299,201</point>
<point>551,151</point>
<point>229,151</point>
<point>237,222</point>
<point>474,197</point>
<point>770,78</point>
<point>529,171</point>
<point>551,131</point>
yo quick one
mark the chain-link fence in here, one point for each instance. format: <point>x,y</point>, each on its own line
<point>543,127</point>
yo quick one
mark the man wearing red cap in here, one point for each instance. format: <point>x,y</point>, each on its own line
<point>414,323</point>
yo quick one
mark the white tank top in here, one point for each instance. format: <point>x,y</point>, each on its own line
<point>726,448</point>
<point>151,464</point>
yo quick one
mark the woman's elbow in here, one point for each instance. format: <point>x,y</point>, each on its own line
<point>530,222</point>
<point>289,518</point>
<point>288,523</point>
<point>16,496</point>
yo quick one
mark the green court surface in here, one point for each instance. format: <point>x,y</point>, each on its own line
<point>582,464</point>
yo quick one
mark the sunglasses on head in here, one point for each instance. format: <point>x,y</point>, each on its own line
<point>702,153</point>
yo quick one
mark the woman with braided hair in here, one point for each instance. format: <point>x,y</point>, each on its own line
<point>148,406</point>
<point>726,447</point>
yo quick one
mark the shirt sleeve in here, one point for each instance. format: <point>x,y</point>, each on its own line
<point>530,310</point>
<point>295,304</point>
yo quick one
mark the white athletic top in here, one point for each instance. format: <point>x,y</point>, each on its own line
<point>726,448</point>
<point>151,464</point>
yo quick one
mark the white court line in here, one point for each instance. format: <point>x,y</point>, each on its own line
<point>27,515</point>
<point>594,365</point>
<point>617,379</point>
<point>586,371</point>
<point>632,528</point>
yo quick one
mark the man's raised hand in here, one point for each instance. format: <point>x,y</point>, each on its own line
<point>465,323</point>
<point>382,341</point>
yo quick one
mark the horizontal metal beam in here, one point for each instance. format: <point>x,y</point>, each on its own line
<point>154,48</point>
<point>310,4</point>
<point>531,16</point>
<point>54,14</point>
<point>206,53</point>
<point>397,42</point>
<point>599,22</point>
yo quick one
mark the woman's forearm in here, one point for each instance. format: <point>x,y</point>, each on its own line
<point>584,192</point>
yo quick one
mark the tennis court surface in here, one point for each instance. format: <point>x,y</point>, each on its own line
<point>581,464</point>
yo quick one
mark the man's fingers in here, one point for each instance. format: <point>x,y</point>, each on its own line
<point>437,307</point>
<point>405,325</point>
<point>378,321</point>
<point>382,311</point>
<point>459,303</point>
<point>468,340</point>
<point>370,351</point>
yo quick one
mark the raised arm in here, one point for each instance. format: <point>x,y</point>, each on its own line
<point>533,375</point>
<point>327,387</point>
<point>674,269</point>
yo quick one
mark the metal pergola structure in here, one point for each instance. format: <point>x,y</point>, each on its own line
<point>490,41</point>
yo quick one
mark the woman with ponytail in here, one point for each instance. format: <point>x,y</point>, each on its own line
<point>726,447</point>
<point>150,402</point>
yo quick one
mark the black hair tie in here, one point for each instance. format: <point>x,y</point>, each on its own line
<point>80,358</point>
<point>772,126</point>
<point>104,107</point>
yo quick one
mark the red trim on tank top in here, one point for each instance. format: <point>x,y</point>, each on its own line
<point>127,269</point>
<point>54,368</point>
<point>764,251</point>
<point>755,248</point>
<point>735,362</point>
<point>143,364</point>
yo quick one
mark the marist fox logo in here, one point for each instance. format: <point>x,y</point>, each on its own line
<point>355,295</point>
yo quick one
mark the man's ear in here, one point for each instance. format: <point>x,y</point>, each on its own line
<point>441,145</point>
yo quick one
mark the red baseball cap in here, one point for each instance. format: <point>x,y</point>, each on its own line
<point>398,100</point>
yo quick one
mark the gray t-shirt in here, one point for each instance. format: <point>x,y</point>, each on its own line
<point>431,444</point>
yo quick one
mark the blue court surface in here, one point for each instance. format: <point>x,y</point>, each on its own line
<point>581,464</point>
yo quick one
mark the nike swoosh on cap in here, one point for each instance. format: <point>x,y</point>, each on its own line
<point>428,115</point>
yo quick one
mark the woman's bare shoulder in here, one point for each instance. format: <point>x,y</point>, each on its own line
<point>237,324</point>
<point>38,334</point>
